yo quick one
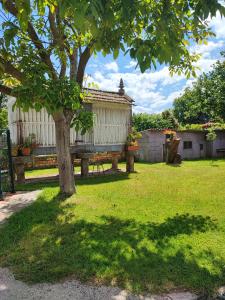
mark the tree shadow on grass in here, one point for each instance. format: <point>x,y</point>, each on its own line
<point>92,180</point>
<point>47,241</point>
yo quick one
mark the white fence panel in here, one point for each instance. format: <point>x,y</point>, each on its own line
<point>111,125</point>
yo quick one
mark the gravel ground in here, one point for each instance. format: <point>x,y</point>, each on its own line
<point>11,289</point>
<point>16,202</point>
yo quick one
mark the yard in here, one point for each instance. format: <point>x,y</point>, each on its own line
<point>155,230</point>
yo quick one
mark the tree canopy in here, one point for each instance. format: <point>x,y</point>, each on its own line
<point>45,46</point>
<point>205,100</point>
<point>143,121</point>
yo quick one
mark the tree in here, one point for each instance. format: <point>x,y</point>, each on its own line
<point>168,115</point>
<point>46,45</point>
<point>205,100</point>
<point>143,121</point>
<point>3,112</point>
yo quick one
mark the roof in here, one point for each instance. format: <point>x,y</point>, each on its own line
<point>106,96</point>
<point>180,131</point>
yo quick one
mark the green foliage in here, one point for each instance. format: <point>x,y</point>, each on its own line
<point>83,121</point>
<point>3,112</point>
<point>143,121</point>
<point>30,141</point>
<point>54,95</point>
<point>150,31</point>
<point>133,136</point>
<point>216,126</point>
<point>211,135</point>
<point>205,100</point>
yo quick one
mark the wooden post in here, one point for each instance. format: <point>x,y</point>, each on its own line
<point>115,158</point>
<point>114,162</point>
<point>130,161</point>
<point>84,166</point>
<point>85,158</point>
<point>19,169</point>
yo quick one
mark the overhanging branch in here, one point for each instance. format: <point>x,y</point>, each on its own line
<point>11,70</point>
<point>11,8</point>
<point>5,90</point>
<point>82,64</point>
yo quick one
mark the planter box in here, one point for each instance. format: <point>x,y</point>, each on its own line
<point>132,148</point>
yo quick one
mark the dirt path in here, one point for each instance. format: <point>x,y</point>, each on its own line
<point>14,203</point>
<point>11,289</point>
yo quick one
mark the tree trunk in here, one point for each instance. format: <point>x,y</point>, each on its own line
<point>66,173</point>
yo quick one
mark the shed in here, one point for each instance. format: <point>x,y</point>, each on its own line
<point>193,145</point>
<point>112,120</point>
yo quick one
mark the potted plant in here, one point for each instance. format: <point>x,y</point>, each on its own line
<point>28,145</point>
<point>170,134</point>
<point>132,143</point>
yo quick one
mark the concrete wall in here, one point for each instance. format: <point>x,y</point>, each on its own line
<point>219,143</point>
<point>196,138</point>
<point>152,145</point>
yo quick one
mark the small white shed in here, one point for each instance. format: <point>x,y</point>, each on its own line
<point>112,111</point>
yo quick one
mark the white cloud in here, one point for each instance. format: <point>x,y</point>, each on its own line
<point>218,25</point>
<point>112,66</point>
<point>206,50</point>
<point>132,64</point>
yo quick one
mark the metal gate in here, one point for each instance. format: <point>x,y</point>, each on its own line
<point>6,165</point>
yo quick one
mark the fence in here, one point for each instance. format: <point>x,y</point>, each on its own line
<point>6,165</point>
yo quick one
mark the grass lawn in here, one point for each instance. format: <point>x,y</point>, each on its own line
<point>158,229</point>
<point>54,171</point>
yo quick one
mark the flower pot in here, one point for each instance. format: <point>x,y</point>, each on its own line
<point>26,151</point>
<point>133,148</point>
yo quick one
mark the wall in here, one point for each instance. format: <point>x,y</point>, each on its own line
<point>151,146</point>
<point>50,161</point>
<point>196,138</point>
<point>112,121</point>
<point>152,141</point>
<point>219,143</point>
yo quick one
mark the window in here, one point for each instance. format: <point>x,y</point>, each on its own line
<point>201,147</point>
<point>187,145</point>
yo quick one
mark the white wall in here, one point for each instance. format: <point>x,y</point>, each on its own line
<point>112,123</point>
<point>110,128</point>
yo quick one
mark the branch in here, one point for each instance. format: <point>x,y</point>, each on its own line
<point>82,64</point>
<point>73,64</point>
<point>5,90</point>
<point>58,39</point>
<point>51,18</point>
<point>11,70</point>
<point>9,5</point>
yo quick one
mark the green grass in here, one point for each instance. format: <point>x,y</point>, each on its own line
<point>155,230</point>
<point>54,171</point>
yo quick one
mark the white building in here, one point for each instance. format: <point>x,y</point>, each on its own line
<point>112,111</point>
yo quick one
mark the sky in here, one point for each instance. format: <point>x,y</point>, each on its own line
<point>153,91</point>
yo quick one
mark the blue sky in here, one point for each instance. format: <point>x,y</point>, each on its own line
<point>153,91</point>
